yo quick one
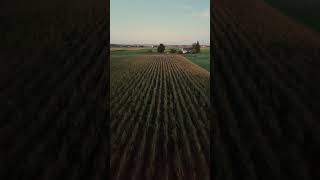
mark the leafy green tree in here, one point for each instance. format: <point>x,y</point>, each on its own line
<point>161,48</point>
<point>196,47</point>
<point>173,51</point>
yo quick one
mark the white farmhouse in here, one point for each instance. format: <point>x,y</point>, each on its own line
<point>186,50</point>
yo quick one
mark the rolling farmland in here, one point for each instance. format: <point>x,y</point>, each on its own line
<point>159,118</point>
<point>265,93</point>
<point>53,98</point>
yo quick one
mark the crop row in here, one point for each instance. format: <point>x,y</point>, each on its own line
<point>159,126</point>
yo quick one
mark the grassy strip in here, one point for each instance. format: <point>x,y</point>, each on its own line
<point>202,59</point>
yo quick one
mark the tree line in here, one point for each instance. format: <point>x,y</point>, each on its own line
<point>195,48</point>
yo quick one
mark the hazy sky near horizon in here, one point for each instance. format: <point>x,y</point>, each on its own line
<point>160,21</point>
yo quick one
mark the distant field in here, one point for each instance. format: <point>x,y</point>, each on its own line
<point>129,51</point>
<point>202,59</point>
<point>160,118</point>
<point>132,51</point>
<point>126,49</point>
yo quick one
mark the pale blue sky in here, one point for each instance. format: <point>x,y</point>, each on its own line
<point>160,21</point>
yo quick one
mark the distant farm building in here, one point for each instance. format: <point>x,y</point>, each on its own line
<point>186,50</point>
